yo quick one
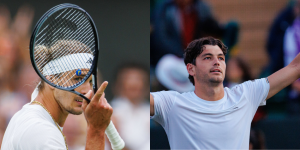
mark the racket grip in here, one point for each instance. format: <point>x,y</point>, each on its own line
<point>116,141</point>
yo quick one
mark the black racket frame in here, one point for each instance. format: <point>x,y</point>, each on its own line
<point>93,69</point>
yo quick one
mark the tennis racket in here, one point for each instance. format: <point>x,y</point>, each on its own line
<point>64,53</point>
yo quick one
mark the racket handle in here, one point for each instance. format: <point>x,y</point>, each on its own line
<point>116,141</point>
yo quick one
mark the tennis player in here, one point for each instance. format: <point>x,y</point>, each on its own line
<point>211,116</point>
<point>38,125</point>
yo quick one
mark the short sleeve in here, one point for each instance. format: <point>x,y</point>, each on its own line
<point>163,102</point>
<point>257,91</point>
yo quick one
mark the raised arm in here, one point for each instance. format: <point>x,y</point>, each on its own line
<point>98,115</point>
<point>151,105</point>
<point>284,77</point>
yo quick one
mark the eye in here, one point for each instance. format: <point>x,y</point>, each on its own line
<point>78,79</point>
<point>221,58</point>
<point>206,58</point>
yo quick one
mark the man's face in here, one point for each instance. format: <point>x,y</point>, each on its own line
<point>71,102</point>
<point>210,66</point>
<point>132,84</point>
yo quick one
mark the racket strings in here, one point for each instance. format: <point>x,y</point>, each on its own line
<point>66,78</point>
<point>57,54</point>
<point>64,33</point>
<point>90,43</point>
<point>80,25</point>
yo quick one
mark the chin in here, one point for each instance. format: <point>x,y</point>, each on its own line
<point>75,112</point>
<point>216,80</point>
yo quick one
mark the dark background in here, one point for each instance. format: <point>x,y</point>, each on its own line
<point>123,29</point>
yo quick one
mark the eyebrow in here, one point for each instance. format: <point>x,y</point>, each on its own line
<point>82,75</point>
<point>210,54</point>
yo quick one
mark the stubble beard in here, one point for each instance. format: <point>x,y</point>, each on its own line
<point>68,109</point>
<point>214,81</point>
<point>72,111</point>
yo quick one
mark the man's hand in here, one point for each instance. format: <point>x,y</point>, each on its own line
<point>98,111</point>
<point>97,114</point>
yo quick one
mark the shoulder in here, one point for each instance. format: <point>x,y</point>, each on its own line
<point>250,87</point>
<point>249,83</point>
<point>43,129</point>
<point>164,93</point>
<point>35,120</point>
<point>42,135</point>
<point>31,128</point>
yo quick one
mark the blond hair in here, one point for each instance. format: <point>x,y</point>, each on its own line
<point>44,55</point>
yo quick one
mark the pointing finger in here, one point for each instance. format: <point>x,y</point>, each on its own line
<point>100,92</point>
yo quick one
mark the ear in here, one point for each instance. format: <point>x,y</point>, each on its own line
<point>191,69</point>
<point>49,86</point>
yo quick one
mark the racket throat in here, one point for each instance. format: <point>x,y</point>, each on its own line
<point>81,95</point>
<point>87,100</point>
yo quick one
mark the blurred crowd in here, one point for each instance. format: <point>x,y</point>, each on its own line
<point>18,80</point>
<point>17,77</point>
<point>175,23</point>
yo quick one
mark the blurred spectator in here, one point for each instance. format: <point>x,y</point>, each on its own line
<point>175,23</point>
<point>75,132</point>
<point>275,38</point>
<point>131,106</point>
<point>8,60</point>
<point>291,47</point>
<point>257,140</point>
<point>27,80</point>
<point>20,27</point>
<point>237,71</point>
<point>4,19</point>
<point>14,63</point>
<point>171,72</point>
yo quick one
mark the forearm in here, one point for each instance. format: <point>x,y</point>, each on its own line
<point>284,76</point>
<point>95,139</point>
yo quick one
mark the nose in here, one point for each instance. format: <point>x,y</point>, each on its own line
<point>84,88</point>
<point>217,62</point>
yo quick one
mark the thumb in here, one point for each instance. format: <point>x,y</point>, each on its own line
<point>85,103</point>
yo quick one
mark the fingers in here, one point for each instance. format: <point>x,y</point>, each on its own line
<point>102,99</point>
<point>89,94</point>
<point>100,92</point>
<point>84,104</point>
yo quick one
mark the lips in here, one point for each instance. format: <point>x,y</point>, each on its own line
<point>216,70</point>
<point>77,100</point>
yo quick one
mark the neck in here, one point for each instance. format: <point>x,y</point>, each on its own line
<point>56,111</point>
<point>209,92</point>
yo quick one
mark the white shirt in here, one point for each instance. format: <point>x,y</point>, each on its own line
<point>193,123</point>
<point>32,128</point>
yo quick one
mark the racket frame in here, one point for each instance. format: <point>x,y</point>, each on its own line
<point>117,142</point>
<point>93,69</point>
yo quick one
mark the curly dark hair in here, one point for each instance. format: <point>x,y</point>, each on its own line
<point>195,48</point>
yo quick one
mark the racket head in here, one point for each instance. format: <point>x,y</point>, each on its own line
<point>63,46</point>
